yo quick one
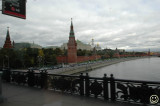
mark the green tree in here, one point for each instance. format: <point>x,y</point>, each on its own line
<point>50,56</point>
<point>58,51</point>
<point>110,53</point>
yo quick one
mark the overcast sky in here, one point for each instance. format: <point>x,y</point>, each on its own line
<point>125,24</point>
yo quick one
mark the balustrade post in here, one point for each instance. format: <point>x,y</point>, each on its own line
<point>44,79</point>
<point>87,85</point>
<point>81,84</point>
<point>6,75</point>
<point>145,94</point>
<point>31,78</point>
<point>105,87</point>
<point>1,97</point>
<point>112,88</point>
<point>18,79</point>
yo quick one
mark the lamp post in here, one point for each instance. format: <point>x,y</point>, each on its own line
<point>87,63</point>
<point>8,59</point>
<point>39,60</point>
<point>1,97</point>
<point>43,60</point>
<point>3,63</point>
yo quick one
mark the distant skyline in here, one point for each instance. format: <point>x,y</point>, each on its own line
<point>125,24</point>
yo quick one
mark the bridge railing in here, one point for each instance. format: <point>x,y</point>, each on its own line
<point>107,87</point>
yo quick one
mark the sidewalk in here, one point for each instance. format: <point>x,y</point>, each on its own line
<point>25,96</point>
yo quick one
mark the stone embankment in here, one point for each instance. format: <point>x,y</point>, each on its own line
<point>89,67</point>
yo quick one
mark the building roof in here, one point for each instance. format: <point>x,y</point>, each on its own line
<point>26,45</point>
<point>80,45</point>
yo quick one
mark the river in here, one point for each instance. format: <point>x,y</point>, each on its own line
<point>140,69</point>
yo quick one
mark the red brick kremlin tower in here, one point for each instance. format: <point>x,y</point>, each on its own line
<point>72,46</point>
<point>7,43</point>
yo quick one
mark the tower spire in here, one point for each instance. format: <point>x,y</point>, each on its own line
<point>71,34</point>
<point>71,21</point>
<point>8,33</point>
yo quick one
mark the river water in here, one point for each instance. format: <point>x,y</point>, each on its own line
<point>140,69</point>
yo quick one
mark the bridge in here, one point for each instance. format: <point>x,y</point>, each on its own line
<point>26,96</point>
<point>107,89</point>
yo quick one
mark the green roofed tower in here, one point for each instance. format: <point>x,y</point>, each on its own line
<point>72,46</point>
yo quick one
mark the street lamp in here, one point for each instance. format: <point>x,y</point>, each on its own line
<point>8,59</point>
<point>39,59</point>
<point>3,63</point>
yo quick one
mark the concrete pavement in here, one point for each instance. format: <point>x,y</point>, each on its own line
<point>18,95</point>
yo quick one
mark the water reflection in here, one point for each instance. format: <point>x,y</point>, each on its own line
<point>140,69</point>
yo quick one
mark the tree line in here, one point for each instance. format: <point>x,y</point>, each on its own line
<point>34,57</point>
<point>28,57</point>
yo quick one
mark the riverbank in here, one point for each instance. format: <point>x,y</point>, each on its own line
<point>89,67</point>
<point>85,67</point>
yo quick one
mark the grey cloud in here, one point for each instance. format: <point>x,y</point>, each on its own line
<point>112,23</point>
